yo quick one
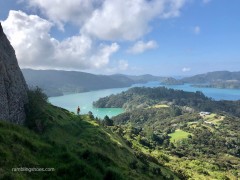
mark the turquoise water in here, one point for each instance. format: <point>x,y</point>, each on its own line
<point>215,93</point>
<point>84,100</point>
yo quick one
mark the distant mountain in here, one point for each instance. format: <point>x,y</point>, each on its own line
<point>145,78</point>
<point>58,82</point>
<point>171,81</point>
<point>213,77</point>
<point>55,83</point>
<point>217,79</point>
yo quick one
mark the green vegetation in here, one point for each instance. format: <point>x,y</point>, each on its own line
<point>184,143</point>
<point>77,147</point>
<point>160,106</point>
<point>57,82</point>
<point>218,79</point>
<point>178,135</point>
<point>171,81</point>
<point>142,97</point>
<point>213,119</point>
<point>150,142</point>
<point>193,146</point>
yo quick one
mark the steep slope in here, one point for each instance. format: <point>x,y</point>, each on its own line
<point>76,147</point>
<point>13,88</point>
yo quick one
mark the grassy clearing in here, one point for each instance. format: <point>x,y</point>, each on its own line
<point>214,118</point>
<point>178,135</point>
<point>160,106</point>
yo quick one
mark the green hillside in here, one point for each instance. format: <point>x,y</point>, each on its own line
<point>143,97</point>
<point>185,142</point>
<point>192,145</point>
<point>77,147</point>
<point>57,82</point>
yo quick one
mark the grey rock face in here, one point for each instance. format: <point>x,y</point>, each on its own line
<point>13,88</point>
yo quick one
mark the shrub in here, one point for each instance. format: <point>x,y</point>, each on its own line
<point>36,118</point>
<point>133,164</point>
<point>111,174</point>
<point>107,121</point>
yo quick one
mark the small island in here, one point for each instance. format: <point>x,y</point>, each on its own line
<point>171,81</point>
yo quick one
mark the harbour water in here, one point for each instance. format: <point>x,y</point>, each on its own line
<point>85,100</point>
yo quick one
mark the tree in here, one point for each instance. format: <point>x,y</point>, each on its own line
<point>36,118</point>
<point>107,121</point>
<point>90,115</point>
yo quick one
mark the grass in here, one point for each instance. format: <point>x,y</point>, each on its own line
<point>160,106</point>
<point>178,135</point>
<point>75,146</point>
<point>214,119</point>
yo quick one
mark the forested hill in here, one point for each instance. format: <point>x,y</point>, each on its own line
<point>212,77</point>
<point>141,97</point>
<point>200,147</point>
<point>57,82</point>
<point>217,79</point>
<point>167,124</point>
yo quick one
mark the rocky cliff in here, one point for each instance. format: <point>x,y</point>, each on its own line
<point>13,88</point>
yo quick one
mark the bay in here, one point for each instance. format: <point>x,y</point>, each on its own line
<point>85,100</point>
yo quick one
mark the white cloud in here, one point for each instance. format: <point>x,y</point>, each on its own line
<point>74,11</point>
<point>129,20</point>
<point>109,19</point>
<point>197,30</point>
<point>101,57</point>
<point>29,37</point>
<point>35,48</point>
<point>140,47</point>
<point>186,69</point>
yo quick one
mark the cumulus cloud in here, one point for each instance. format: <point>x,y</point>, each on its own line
<point>29,37</point>
<point>140,47</point>
<point>74,11</point>
<point>197,30</point>
<point>186,69</point>
<point>35,48</point>
<point>97,20</point>
<point>108,19</point>
<point>129,20</point>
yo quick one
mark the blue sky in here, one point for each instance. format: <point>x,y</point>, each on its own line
<point>160,37</point>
